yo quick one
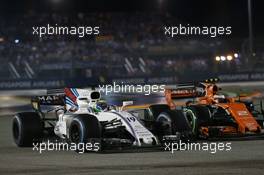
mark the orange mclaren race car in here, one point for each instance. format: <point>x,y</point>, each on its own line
<point>211,114</point>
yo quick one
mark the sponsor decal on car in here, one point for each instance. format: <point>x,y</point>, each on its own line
<point>242,113</point>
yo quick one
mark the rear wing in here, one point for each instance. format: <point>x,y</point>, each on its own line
<point>67,97</point>
<point>189,90</point>
<point>49,100</point>
<point>53,97</point>
<point>185,91</point>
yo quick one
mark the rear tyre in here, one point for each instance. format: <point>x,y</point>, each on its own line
<point>85,129</point>
<point>197,116</point>
<point>27,128</point>
<point>192,120</point>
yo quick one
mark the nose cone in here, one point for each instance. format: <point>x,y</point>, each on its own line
<point>243,117</point>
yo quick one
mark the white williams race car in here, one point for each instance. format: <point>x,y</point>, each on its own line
<point>78,116</point>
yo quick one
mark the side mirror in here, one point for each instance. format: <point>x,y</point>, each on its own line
<point>126,103</point>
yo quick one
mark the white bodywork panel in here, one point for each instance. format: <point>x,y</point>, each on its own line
<point>132,124</point>
<point>141,134</point>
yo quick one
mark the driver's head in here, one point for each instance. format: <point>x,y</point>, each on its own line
<point>101,105</point>
<point>220,98</point>
<point>213,88</point>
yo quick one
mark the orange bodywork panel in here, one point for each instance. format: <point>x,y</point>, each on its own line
<point>225,130</point>
<point>245,120</point>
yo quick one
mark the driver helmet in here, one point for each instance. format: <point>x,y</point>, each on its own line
<point>220,98</point>
<point>101,106</point>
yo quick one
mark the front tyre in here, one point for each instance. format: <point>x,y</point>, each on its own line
<point>171,123</point>
<point>85,129</point>
<point>27,128</point>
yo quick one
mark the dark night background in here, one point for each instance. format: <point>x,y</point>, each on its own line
<point>195,12</point>
<point>132,43</point>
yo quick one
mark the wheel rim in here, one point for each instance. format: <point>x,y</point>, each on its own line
<point>165,124</point>
<point>191,119</point>
<point>15,130</point>
<point>75,134</point>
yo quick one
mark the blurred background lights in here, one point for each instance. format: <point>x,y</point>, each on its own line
<point>217,58</point>
<point>229,58</point>
<point>223,58</point>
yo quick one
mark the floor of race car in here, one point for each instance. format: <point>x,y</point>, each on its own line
<point>246,157</point>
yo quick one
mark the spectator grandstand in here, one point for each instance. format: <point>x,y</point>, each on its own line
<point>128,46</point>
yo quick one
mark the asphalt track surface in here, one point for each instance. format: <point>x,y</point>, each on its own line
<point>246,157</point>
